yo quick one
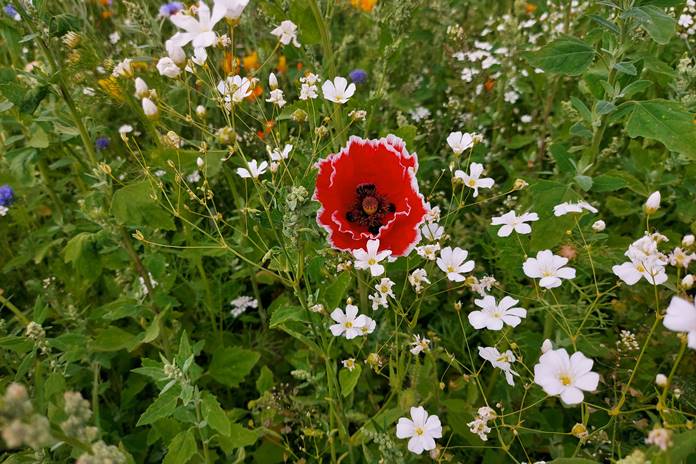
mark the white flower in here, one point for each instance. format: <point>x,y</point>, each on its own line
<point>175,52</point>
<point>661,380</point>
<point>233,8</point>
<point>511,96</point>
<point>652,204</point>
<point>338,91</point>
<point>349,364</point>
<point>685,21</point>
<point>114,37</point>
<point>453,263</point>
<point>141,88</point>
<point>286,33</point>
<point>419,345</point>
<point>241,304</point>
<point>200,56</point>
<point>679,258</point>
<point>549,268</point>
<point>510,221</point>
<point>421,430</point>
<point>198,32</point>
<point>567,376</point>
<point>124,130</point>
<point>681,317</point>
<point>459,142</point>
<point>432,214</point>
<point>348,324</point>
<point>194,177</point>
<point>480,427</point>
<point>473,180</point>
<point>167,67</point>
<point>502,361</point>
<point>149,108</point>
<point>378,300</point>
<point>568,207</point>
<point>599,226</point>
<point>385,286</point>
<point>688,240</point>
<point>660,437</point>
<point>276,97</point>
<point>432,231</point>
<point>482,286</point>
<point>651,267</point>
<point>428,252</point>
<point>277,155</point>
<point>254,170</point>
<point>367,326</point>
<point>417,278</point>
<point>236,88</point>
<point>494,315</point>
<point>308,92</point>
<point>123,69</point>
<point>272,81</point>
<point>370,257</point>
<point>525,119</point>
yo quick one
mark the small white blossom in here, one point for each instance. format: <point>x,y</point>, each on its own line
<point>253,169</point>
<point>473,179</point>
<point>370,257</point>
<point>566,376</point>
<point>286,33</point>
<point>510,221</point>
<point>549,268</point>
<point>453,263</point>
<point>338,91</point>
<point>421,430</point>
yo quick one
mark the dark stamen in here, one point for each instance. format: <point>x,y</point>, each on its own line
<point>370,209</point>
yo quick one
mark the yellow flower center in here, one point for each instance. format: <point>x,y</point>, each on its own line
<point>372,261</point>
<point>450,269</point>
<point>348,325</point>
<point>472,182</point>
<point>419,431</point>
<point>565,379</point>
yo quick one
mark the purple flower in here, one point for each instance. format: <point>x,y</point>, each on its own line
<point>102,143</point>
<point>358,76</point>
<point>11,12</point>
<point>6,195</point>
<point>171,8</point>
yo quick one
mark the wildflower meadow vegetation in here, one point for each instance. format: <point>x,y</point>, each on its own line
<point>347,231</point>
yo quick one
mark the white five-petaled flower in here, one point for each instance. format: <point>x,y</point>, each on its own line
<point>568,207</point>
<point>370,257</point>
<point>432,231</point>
<point>474,180</point>
<point>338,91</point>
<point>385,286</point>
<point>549,268</point>
<point>286,33</point>
<point>277,155</point>
<point>199,32</point>
<point>494,315</point>
<point>502,361</point>
<point>511,221</point>
<point>454,264</point>
<point>253,169</point>
<point>277,98</point>
<point>681,317</point>
<point>650,267</point>
<point>421,430</point>
<point>236,88</point>
<point>149,108</point>
<point>348,323</point>
<point>568,376</point>
<point>419,345</point>
<point>417,278</point>
<point>167,67</point>
<point>459,142</point>
<point>233,8</point>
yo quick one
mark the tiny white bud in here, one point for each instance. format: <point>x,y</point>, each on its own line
<point>688,240</point>
<point>661,380</point>
<point>599,226</point>
<point>546,346</point>
<point>199,162</point>
<point>688,281</point>
<point>150,108</point>
<point>652,204</point>
<point>201,111</point>
<point>141,88</point>
<point>272,81</point>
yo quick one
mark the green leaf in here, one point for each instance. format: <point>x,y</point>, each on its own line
<point>134,205</point>
<point>634,88</point>
<point>683,447</point>
<point>231,364</point>
<point>163,406</point>
<point>214,414</point>
<point>626,67</point>
<point>265,380</point>
<point>605,23</point>
<point>659,25</point>
<point>582,109</point>
<point>239,437</point>
<point>349,379</point>
<point>585,182</point>
<point>113,339</point>
<point>287,313</point>
<point>605,107</point>
<point>606,183</point>
<point>182,448</point>
<point>335,292</point>
<point>664,121</point>
<point>567,55</point>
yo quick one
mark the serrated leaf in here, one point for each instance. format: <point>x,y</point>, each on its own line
<point>232,364</point>
<point>660,26</point>
<point>214,414</point>
<point>113,339</point>
<point>182,448</point>
<point>162,407</point>
<point>287,313</point>
<point>567,55</point>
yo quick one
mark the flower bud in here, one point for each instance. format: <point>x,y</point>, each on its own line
<point>687,282</point>
<point>299,115</point>
<point>200,163</point>
<point>599,226</point>
<point>272,81</point>
<point>661,380</point>
<point>652,204</point>
<point>141,88</point>
<point>546,346</point>
<point>688,240</point>
<point>150,108</point>
<point>201,111</point>
<point>225,135</point>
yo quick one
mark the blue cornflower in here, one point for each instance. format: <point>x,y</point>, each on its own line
<point>358,75</point>
<point>102,143</point>
<point>11,12</point>
<point>171,8</point>
<point>6,195</point>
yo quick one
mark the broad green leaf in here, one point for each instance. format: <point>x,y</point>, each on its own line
<point>683,446</point>
<point>162,407</point>
<point>239,437</point>
<point>349,379</point>
<point>214,414</point>
<point>287,313</point>
<point>606,183</point>
<point>634,88</point>
<point>265,380</point>
<point>182,448</point>
<point>585,182</point>
<point>658,24</point>
<point>231,364</point>
<point>567,55</point>
<point>134,205</point>
<point>664,121</point>
<point>626,67</point>
<point>113,339</point>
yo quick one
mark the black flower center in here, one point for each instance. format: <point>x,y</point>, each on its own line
<point>370,209</point>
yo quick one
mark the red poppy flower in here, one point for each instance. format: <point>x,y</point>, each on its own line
<point>369,191</point>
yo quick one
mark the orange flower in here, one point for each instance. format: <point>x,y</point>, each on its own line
<point>269,126</point>
<point>300,65</point>
<point>255,92</point>
<point>365,5</point>
<point>251,62</point>
<point>282,66</point>
<point>490,83</point>
<point>106,14</point>
<point>530,8</point>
